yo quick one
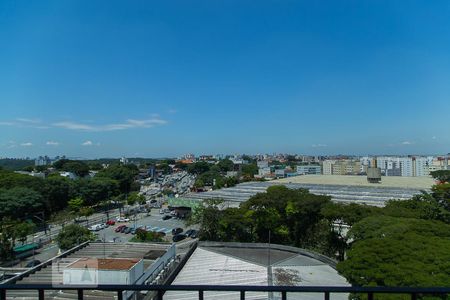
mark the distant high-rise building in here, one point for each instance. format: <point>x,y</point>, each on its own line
<point>42,161</point>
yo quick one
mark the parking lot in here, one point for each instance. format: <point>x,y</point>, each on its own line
<point>154,221</point>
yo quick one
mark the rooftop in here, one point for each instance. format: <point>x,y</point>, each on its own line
<point>251,264</point>
<point>349,180</point>
<point>346,189</point>
<point>104,263</point>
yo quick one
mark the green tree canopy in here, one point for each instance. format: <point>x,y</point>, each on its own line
<point>19,202</point>
<point>441,175</point>
<point>123,174</point>
<point>393,251</point>
<point>72,235</point>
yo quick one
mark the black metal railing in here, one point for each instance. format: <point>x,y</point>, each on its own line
<point>414,293</point>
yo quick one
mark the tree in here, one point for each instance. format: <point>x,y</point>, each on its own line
<point>19,202</point>
<point>207,216</point>
<point>97,189</point>
<point>144,236</point>
<point>58,191</point>
<point>135,197</point>
<point>391,251</point>
<point>441,193</point>
<point>198,167</point>
<point>249,170</point>
<point>349,214</point>
<point>225,165</point>
<point>23,229</point>
<point>76,204</point>
<point>72,235</point>
<point>441,175</point>
<point>123,174</point>
<point>6,239</point>
<point>86,211</point>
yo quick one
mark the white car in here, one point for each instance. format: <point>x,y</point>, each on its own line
<point>97,227</point>
<point>122,219</point>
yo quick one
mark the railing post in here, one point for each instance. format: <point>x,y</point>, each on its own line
<point>283,295</point>
<point>413,296</point>
<point>200,294</point>
<point>160,295</point>
<point>370,295</point>
<point>80,294</point>
<point>2,294</point>
<point>41,294</point>
<point>327,295</point>
<point>242,295</point>
<point>119,295</point>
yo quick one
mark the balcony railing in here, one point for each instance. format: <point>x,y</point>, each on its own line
<point>414,293</point>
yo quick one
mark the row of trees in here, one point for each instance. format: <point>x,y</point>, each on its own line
<point>22,195</point>
<point>405,243</point>
<point>214,174</point>
<point>25,199</point>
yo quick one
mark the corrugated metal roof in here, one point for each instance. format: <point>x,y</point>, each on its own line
<point>210,268</point>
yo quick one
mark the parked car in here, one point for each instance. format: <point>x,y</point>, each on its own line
<point>124,229</point>
<point>194,235</point>
<point>167,217</point>
<point>110,222</point>
<point>122,219</point>
<point>190,232</point>
<point>178,237</point>
<point>127,230</point>
<point>177,230</point>
<point>161,211</point>
<point>119,228</point>
<point>96,227</point>
<point>33,263</point>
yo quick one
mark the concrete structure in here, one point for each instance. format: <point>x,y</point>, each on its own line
<point>373,175</point>
<point>256,264</point>
<point>346,189</point>
<point>93,271</point>
<point>42,161</point>
<point>262,172</point>
<point>309,170</point>
<point>327,167</point>
<point>262,164</point>
<point>150,264</point>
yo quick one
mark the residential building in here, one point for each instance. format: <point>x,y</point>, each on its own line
<point>262,164</point>
<point>42,161</point>
<point>327,167</point>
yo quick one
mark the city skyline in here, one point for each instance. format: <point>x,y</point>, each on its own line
<point>159,80</point>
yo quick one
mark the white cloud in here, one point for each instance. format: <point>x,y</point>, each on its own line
<point>433,137</point>
<point>87,143</point>
<point>52,143</point>
<point>319,145</point>
<point>6,123</point>
<point>407,143</point>
<point>27,144</point>
<point>152,121</point>
<point>128,124</point>
<point>26,120</point>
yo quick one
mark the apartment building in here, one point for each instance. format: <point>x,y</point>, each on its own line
<point>342,167</point>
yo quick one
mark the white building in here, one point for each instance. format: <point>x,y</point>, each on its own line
<point>327,167</point>
<point>263,171</point>
<point>103,271</point>
<point>262,164</point>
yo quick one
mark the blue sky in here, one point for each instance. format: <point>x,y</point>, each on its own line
<point>147,78</point>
